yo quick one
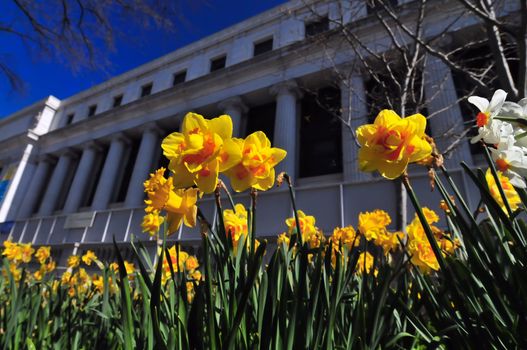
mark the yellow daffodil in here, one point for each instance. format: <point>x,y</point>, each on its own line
<point>256,168</point>
<point>283,239</point>
<point>89,257</point>
<point>310,233</point>
<point>98,283</point>
<point>50,266</point>
<point>180,204</point>
<point>191,263</point>
<point>365,263</point>
<point>130,269</point>
<point>38,275</point>
<point>391,143</point>
<point>389,241</point>
<point>373,224</point>
<point>181,261</point>
<point>422,255</point>
<point>42,254</point>
<point>65,278</point>
<point>235,222</point>
<point>200,151</point>
<point>18,252</point>
<point>346,236</point>
<point>151,222</point>
<point>11,250</point>
<point>73,261</point>
<point>419,247</point>
<point>510,192</point>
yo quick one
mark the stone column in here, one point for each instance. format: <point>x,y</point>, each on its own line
<point>82,175</point>
<point>49,202</point>
<point>110,170</point>
<point>354,111</point>
<point>447,123</point>
<point>285,129</point>
<point>36,186</point>
<point>235,108</point>
<point>143,165</point>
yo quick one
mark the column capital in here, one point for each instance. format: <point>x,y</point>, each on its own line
<point>46,158</point>
<point>69,153</point>
<point>152,127</point>
<point>286,87</point>
<point>233,102</point>
<point>121,137</point>
<point>92,144</point>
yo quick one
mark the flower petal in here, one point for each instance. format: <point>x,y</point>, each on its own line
<point>480,102</point>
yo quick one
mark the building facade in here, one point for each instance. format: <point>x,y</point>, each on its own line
<point>72,170</point>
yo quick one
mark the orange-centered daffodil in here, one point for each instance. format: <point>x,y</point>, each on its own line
<point>391,143</point>
<point>200,151</point>
<point>256,167</point>
<point>180,204</point>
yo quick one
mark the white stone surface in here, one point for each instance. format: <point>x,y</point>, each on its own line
<point>142,167</point>
<point>286,121</point>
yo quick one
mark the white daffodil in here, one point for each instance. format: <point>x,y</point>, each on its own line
<point>511,160</point>
<point>494,132</point>
<point>518,111</point>
<point>515,110</point>
<point>485,118</point>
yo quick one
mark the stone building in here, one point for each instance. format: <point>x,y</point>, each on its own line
<point>71,170</point>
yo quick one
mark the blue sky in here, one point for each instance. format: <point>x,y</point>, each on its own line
<point>45,76</point>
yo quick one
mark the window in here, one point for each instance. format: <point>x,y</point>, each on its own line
<point>179,78</point>
<point>117,101</point>
<point>92,110</point>
<point>146,90</point>
<point>261,118</point>
<point>218,63</point>
<point>320,133</point>
<point>317,26</point>
<point>263,47</point>
<point>69,118</point>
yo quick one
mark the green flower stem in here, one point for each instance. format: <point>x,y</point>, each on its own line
<point>293,202</point>
<point>229,196</point>
<point>254,194</point>
<point>211,329</point>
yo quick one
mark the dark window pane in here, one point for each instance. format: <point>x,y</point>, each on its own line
<point>320,133</point>
<point>69,118</point>
<point>218,63</point>
<point>261,118</point>
<point>179,78</point>
<point>263,47</point>
<point>117,101</point>
<point>146,90</point>
<point>316,27</point>
<point>92,110</point>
